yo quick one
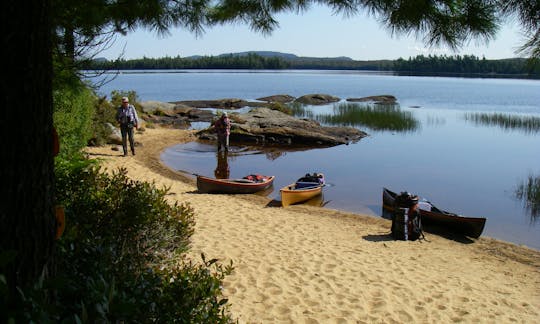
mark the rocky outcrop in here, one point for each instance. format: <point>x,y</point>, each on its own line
<point>175,115</point>
<point>317,99</point>
<point>150,107</point>
<point>281,98</point>
<point>266,126</point>
<point>382,99</point>
<point>227,103</point>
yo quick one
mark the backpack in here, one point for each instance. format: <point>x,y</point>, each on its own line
<point>406,224</point>
<point>406,220</point>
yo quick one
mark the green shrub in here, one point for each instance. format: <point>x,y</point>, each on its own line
<point>121,258</point>
<point>116,99</point>
<point>73,115</point>
<point>105,113</point>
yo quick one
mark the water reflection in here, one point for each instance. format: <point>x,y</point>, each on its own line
<point>301,110</point>
<point>377,117</point>
<point>526,124</point>
<point>317,201</point>
<point>222,170</point>
<point>529,193</point>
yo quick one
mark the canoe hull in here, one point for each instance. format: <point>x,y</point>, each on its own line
<point>231,186</point>
<point>291,195</point>
<point>468,226</point>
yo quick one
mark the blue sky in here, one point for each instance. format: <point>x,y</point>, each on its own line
<point>316,33</point>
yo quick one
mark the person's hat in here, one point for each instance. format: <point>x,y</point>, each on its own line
<point>224,114</point>
<point>125,99</point>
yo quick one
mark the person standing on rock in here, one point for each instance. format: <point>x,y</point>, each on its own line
<point>126,115</point>
<point>223,130</point>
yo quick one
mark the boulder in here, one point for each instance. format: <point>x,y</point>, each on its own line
<point>150,107</point>
<point>115,137</point>
<point>266,126</point>
<point>281,98</point>
<point>317,99</point>
<point>227,103</point>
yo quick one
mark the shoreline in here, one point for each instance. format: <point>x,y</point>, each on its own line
<point>318,265</point>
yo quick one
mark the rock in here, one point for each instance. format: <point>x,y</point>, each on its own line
<point>382,99</point>
<point>175,122</point>
<point>266,126</point>
<point>200,115</point>
<point>227,103</point>
<point>150,107</point>
<point>317,99</point>
<point>115,137</point>
<point>281,98</point>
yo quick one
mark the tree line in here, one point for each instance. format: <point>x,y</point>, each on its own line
<point>466,64</point>
<point>431,64</point>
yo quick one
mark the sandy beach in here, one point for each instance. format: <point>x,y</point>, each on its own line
<point>306,264</point>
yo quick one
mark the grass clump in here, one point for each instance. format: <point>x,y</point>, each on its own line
<point>379,117</point>
<point>529,193</point>
<point>527,124</point>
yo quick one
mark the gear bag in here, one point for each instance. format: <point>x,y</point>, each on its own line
<point>406,220</point>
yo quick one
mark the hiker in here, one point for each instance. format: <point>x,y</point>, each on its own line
<point>126,115</point>
<point>223,130</point>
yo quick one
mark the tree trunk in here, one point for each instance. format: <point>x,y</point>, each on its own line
<point>26,214</point>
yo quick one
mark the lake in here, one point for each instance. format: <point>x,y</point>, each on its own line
<point>461,164</point>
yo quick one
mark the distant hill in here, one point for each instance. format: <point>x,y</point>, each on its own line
<point>285,56</point>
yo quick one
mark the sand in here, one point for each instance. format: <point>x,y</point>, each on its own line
<point>306,264</point>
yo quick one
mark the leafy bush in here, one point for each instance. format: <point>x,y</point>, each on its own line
<point>73,115</point>
<point>121,258</point>
<point>116,99</point>
<point>105,113</point>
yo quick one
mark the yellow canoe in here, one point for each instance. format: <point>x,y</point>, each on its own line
<point>299,192</point>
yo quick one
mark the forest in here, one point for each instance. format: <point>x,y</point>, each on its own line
<point>431,64</point>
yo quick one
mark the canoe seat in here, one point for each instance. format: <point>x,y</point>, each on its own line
<point>302,184</point>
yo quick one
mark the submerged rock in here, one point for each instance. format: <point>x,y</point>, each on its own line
<point>267,126</point>
<point>382,99</point>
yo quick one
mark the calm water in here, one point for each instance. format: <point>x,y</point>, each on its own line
<point>460,166</point>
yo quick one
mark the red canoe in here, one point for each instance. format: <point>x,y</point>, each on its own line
<point>233,186</point>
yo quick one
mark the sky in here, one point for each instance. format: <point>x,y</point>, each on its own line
<point>315,33</point>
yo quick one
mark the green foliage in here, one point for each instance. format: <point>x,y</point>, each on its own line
<point>116,97</point>
<point>527,124</point>
<point>73,115</point>
<point>104,113</point>
<point>121,257</point>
